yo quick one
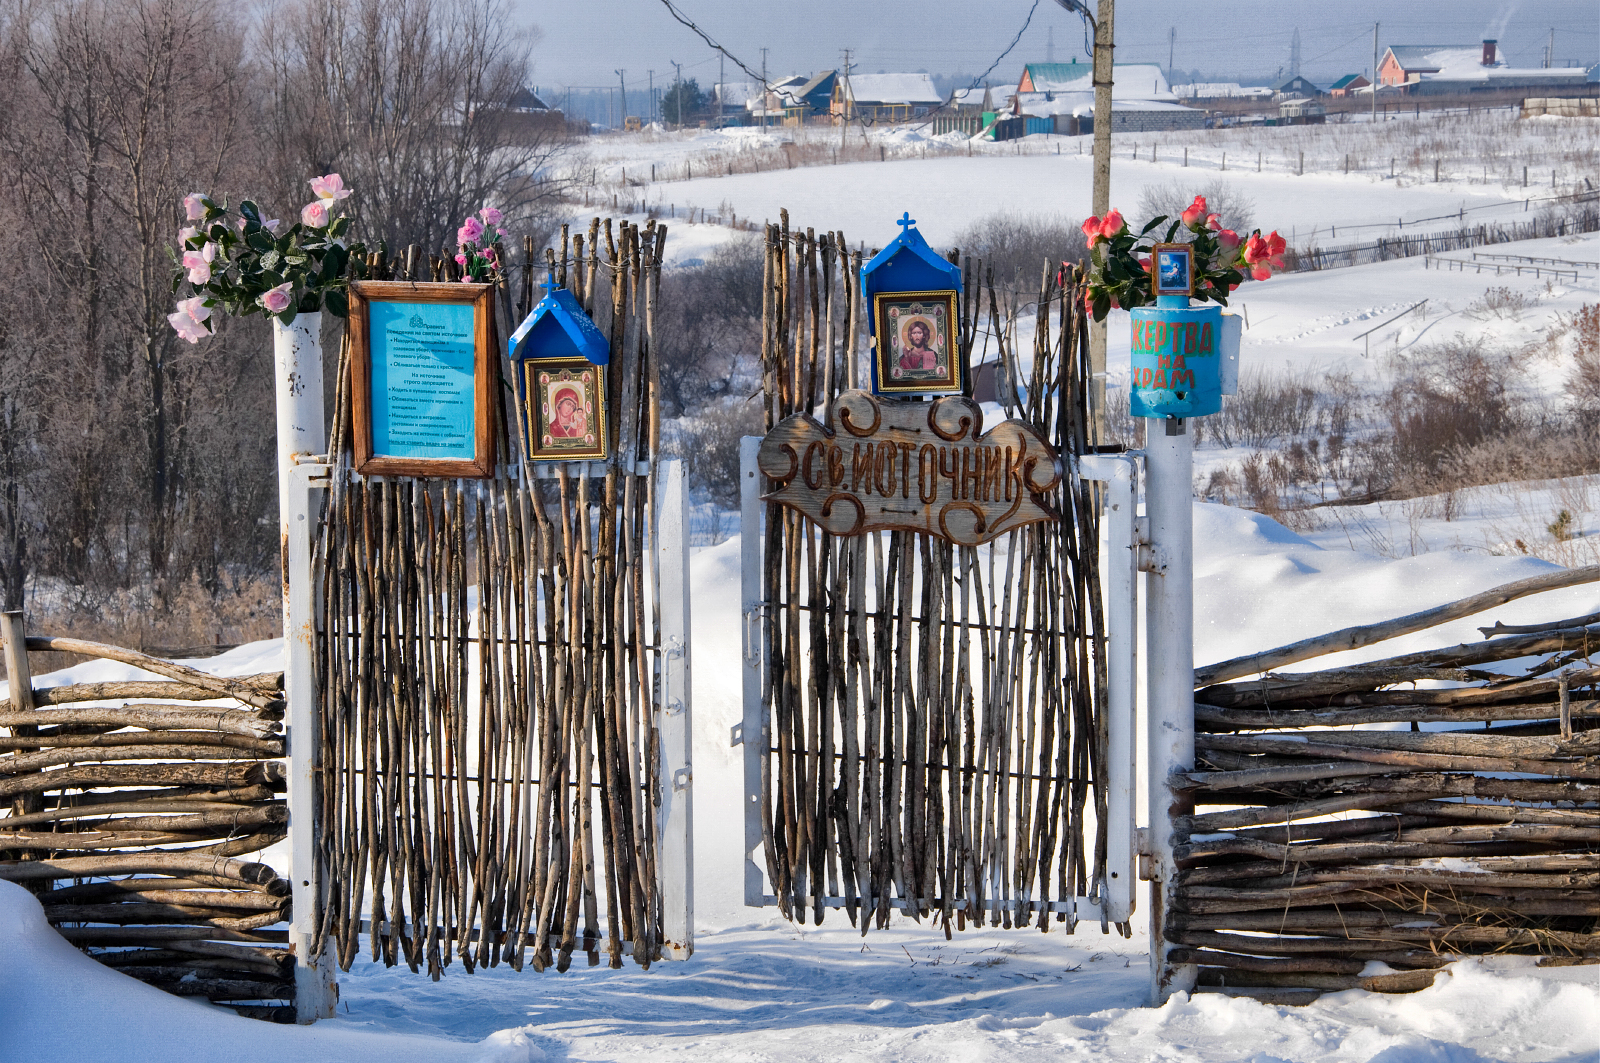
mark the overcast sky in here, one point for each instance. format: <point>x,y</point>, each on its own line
<point>584,43</point>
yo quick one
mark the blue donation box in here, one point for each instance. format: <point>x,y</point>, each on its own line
<point>1177,359</point>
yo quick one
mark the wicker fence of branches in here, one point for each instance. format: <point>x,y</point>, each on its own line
<point>130,807</point>
<point>1362,826</point>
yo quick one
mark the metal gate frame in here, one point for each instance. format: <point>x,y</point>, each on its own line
<point>303,473</point>
<point>1120,474</point>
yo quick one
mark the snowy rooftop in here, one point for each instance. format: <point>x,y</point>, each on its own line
<point>893,88</point>
<point>1443,63</point>
<point>1042,105</point>
<point>1127,79</point>
<point>1213,90</point>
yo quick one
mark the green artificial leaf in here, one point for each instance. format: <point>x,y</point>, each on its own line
<point>1102,306</point>
<point>287,317</point>
<point>260,240</point>
<point>250,210</point>
<point>1172,232</point>
<point>338,303</point>
<point>270,260</point>
<point>1152,223</point>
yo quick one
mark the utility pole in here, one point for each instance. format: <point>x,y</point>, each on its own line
<point>763,88</point>
<point>722,82</point>
<point>844,100</point>
<point>677,88</point>
<point>1104,35</point>
<point>1374,85</point>
<point>1172,42</point>
<point>652,88</point>
<point>623,81</point>
<point>1550,50</point>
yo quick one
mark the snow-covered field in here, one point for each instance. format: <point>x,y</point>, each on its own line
<point>760,989</point>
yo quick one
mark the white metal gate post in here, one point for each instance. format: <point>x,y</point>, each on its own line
<point>1169,619</point>
<point>676,816</point>
<point>1120,473</point>
<point>752,733</point>
<point>297,368</point>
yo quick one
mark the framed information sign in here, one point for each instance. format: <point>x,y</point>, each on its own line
<point>421,378</point>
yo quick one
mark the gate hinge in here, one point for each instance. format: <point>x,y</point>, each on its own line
<point>738,735</point>
<point>1144,551</point>
<point>675,647</point>
<point>681,779</point>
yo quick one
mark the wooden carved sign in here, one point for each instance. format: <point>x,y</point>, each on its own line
<point>889,465</point>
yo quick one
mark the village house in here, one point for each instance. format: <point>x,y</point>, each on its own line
<point>1432,69</point>
<point>1059,98</point>
<point>1348,85</point>
<point>883,97</point>
<point>1296,88</point>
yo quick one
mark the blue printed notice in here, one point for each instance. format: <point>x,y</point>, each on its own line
<point>423,387</point>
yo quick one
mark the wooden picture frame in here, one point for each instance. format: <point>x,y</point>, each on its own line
<point>422,360</point>
<point>1172,270</point>
<point>907,364</point>
<point>565,404</point>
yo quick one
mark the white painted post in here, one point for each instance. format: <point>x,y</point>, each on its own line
<point>752,732</point>
<point>1169,619</point>
<point>297,368</point>
<point>1120,473</point>
<point>673,715</point>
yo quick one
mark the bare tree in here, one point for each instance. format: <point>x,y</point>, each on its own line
<point>114,111</point>
<point>412,102</point>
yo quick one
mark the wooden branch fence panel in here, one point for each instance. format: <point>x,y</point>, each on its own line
<point>1324,838</point>
<point>489,658</point>
<point>129,822</point>
<point>933,712</point>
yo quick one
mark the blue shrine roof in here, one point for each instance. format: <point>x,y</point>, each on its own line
<point>558,328</point>
<point>908,264</point>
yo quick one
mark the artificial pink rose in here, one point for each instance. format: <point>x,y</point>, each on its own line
<point>198,265</point>
<point>186,234</point>
<point>1196,211</point>
<point>276,300</point>
<point>188,322</point>
<point>1213,222</point>
<point>1255,248</point>
<point>1112,224</point>
<point>314,215</point>
<point>1144,263</point>
<point>330,187</point>
<point>1091,229</point>
<point>1233,287</point>
<point>194,206</point>
<point>195,307</point>
<point>209,251</point>
<point>271,225</point>
<point>461,260</point>
<point>492,216</point>
<point>1229,240</point>
<point>1261,271</point>
<point>469,232</point>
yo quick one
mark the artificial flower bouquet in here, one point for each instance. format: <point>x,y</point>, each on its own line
<point>1119,267</point>
<point>243,264</point>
